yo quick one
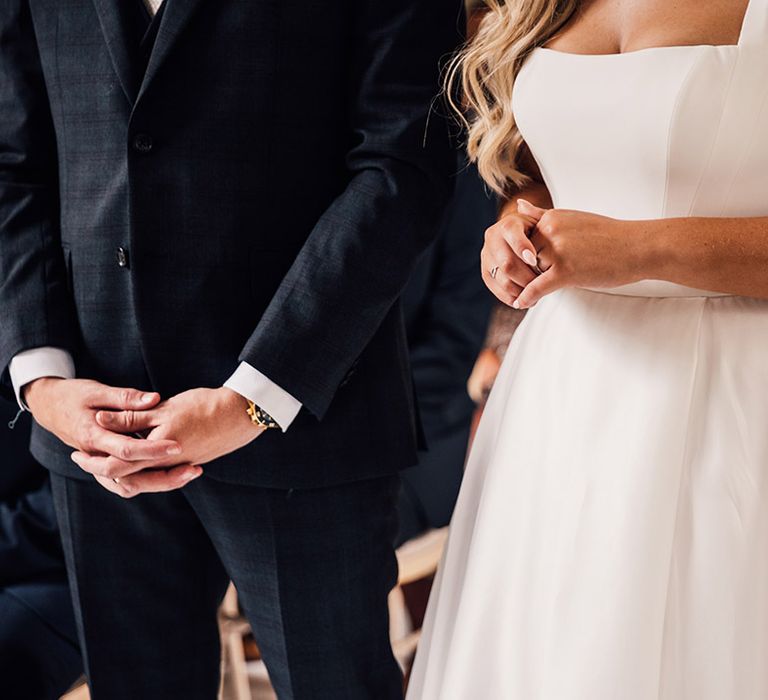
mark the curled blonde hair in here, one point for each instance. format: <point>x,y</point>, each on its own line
<point>481,76</point>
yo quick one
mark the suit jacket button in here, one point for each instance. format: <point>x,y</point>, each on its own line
<point>122,257</point>
<point>143,143</point>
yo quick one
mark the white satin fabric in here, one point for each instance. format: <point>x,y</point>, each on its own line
<point>611,537</point>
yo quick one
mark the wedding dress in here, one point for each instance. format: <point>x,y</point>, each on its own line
<point>611,537</point>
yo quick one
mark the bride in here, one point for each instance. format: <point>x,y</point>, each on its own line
<point>611,538</point>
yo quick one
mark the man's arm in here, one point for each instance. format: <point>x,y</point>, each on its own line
<point>29,365</point>
<point>276,401</point>
<point>34,300</point>
<point>362,251</point>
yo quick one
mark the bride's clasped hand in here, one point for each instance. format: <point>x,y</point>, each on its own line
<point>569,248</point>
<point>561,248</point>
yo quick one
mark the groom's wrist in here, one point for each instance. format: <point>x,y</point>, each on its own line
<point>38,363</point>
<point>234,407</point>
<point>266,394</point>
<point>33,393</point>
<point>241,409</point>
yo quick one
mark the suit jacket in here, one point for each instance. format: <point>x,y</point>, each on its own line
<point>257,189</point>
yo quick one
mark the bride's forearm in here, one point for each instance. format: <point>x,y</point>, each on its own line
<point>535,192</point>
<point>717,254</point>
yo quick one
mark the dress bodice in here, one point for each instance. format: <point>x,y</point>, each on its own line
<point>655,133</point>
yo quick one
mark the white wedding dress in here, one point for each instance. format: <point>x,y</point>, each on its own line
<point>611,537</point>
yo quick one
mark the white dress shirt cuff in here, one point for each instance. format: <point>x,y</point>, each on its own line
<point>252,384</point>
<point>37,363</point>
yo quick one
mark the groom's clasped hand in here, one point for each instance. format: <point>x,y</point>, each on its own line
<point>532,252</point>
<point>130,441</point>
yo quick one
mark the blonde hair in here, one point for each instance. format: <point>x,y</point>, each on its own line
<point>484,72</point>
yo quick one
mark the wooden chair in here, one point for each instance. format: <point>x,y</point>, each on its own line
<point>417,559</point>
<point>235,680</point>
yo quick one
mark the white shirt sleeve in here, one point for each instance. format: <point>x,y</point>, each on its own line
<point>252,384</point>
<point>246,381</point>
<point>37,363</point>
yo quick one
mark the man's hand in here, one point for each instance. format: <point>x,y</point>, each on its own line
<point>68,409</point>
<point>206,423</point>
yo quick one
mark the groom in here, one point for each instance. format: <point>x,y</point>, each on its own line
<point>207,213</point>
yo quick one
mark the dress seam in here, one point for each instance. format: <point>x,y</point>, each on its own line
<point>717,133</point>
<point>695,381</point>
<point>670,127</point>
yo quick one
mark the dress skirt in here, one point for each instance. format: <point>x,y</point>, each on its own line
<point>611,537</point>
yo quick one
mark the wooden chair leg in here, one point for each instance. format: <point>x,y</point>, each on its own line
<point>239,667</point>
<point>234,667</point>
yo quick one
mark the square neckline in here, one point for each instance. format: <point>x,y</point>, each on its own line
<point>649,49</point>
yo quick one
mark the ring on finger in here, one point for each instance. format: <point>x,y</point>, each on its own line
<point>494,271</point>
<point>116,479</point>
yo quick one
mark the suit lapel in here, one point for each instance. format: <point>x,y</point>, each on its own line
<point>117,20</point>
<point>176,14</point>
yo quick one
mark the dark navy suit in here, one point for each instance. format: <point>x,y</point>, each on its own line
<point>255,182</point>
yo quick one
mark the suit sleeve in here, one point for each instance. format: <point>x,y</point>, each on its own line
<point>361,252</point>
<point>35,305</point>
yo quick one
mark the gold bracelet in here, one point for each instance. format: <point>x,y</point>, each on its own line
<point>260,417</point>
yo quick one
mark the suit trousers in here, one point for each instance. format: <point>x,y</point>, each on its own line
<point>313,569</point>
